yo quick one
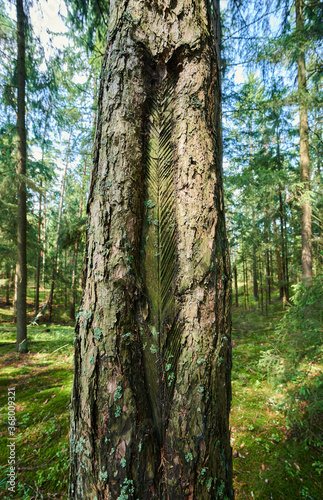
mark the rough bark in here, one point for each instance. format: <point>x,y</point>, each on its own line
<point>21,268</point>
<point>145,424</point>
<point>304,157</point>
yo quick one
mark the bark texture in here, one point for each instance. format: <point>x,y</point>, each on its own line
<point>151,393</point>
<point>21,267</point>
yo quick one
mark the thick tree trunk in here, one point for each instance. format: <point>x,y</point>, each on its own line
<point>21,267</point>
<point>304,157</point>
<point>151,391</point>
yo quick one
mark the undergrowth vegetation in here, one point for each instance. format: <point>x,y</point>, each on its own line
<point>276,417</point>
<point>295,359</point>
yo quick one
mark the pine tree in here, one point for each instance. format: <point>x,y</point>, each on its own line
<point>21,268</point>
<point>151,392</point>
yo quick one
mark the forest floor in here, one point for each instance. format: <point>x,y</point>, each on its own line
<point>269,461</point>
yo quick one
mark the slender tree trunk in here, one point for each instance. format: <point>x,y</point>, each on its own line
<point>282,237</point>
<point>73,287</point>
<point>236,285</point>
<point>8,286</point>
<point>279,261</point>
<point>304,156</point>
<point>286,255</point>
<point>244,283</point>
<point>60,212</point>
<point>38,256</point>
<point>21,268</point>
<point>268,284</point>
<point>254,273</point>
<point>151,391</point>
<point>39,229</point>
<point>44,237</point>
<point>247,285</point>
<point>261,287</point>
<point>15,298</point>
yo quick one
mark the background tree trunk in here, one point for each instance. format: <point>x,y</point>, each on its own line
<point>73,284</point>
<point>21,267</point>
<point>304,157</point>
<point>60,213</point>
<point>151,392</point>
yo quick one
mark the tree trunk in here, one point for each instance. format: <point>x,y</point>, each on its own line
<point>247,284</point>
<point>60,212</point>
<point>282,237</point>
<point>15,297</point>
<point>8,285</point>
<point>279,261</point>
<point>39,228</point>
<point>151,391</point>
<point>254,273</point>
<point>304,157</point>
<point>38,256</point>
<point>21,267</point>
<point>44,237</point>
<point>73,287</point>
<point>261,287</point>
<point>236,285</point>
<point>244,283</point>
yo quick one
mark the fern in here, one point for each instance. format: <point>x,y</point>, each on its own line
<point>162,333</point>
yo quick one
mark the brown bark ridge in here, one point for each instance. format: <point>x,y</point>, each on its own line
<point>304,157</point>
<point>21,267</point>
<point>155,424</point>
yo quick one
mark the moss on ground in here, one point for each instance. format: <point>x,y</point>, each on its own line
<point>43,380</point>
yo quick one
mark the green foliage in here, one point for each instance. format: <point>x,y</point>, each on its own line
<point>295,357</point>
<point>270,461</point>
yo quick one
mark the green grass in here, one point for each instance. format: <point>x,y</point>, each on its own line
<point>270,461</point>
<point>42,379</point>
